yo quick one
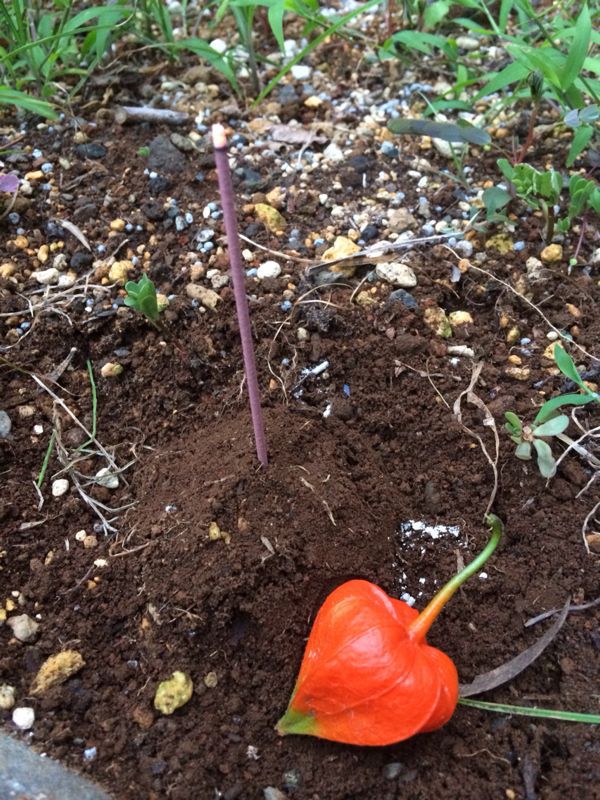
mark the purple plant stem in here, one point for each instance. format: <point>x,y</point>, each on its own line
<point>239,290</point>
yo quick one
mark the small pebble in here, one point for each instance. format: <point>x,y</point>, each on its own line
<point>211,680</point>
<point>90,753</point>
<point>396,273</point>
<point>552,253</point>
<point>105,478</point>
<point>23,717</point>
<point>402,296</point>
<point>465,247</point>
<point>291,780</point>
<point>46,277</point>
<point>301,72</point>
<point>392,770</point>
<point>271,793</point>
<point>91,150</point>
<point>390,150</point>
<point>268,269</point>
<point>7,697</point>
<point>5,425</point>
<point>59,487</point>
<point>23,627</point>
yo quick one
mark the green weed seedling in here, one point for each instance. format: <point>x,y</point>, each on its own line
<point>582,121</point>
<point>141,296</point>
<point>548,423</point>
<point>540,190</point>
<point>584,195</point>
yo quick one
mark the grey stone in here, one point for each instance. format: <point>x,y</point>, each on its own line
<point>164,156</point>
<point>5,425</point>
<point>23,627</point>
<point>26,775</point>
<point>400,220</point>
<point>396,273</point>
<point>91,150</point>
<point>392,770</point>
<point>404,297</point>
<point>271,793</point>
<point>182,143</point>
<point>81,259</point>
<point>291,780</point>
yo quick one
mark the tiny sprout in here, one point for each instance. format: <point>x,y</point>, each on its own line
<point>144,152</point>
<point>141,296</point>
<point>536,85</point>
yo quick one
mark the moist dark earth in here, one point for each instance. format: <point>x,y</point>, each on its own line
<point>369,443</point>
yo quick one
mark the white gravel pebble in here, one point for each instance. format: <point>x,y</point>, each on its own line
<point>105,478</point>
<point>59,487</point>
<point>23,717</point>
<point>396,273</point>
<point>333,153</point>
<point>301,72</point>
<point>219,45</point>
<point>268,269</point>
<point>23,627</point>
<point>46,276</point>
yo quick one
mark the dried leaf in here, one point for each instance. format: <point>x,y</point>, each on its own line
<point>506,672</point>
<point>77,233</point>
<point>295,134</point>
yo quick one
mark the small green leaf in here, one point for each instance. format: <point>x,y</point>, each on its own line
<point>578,49</point>
<point>500,80</point>
<point>506,168</point>
<point>495,199</point>
<point>553,426</point>
<point>551,406</point>
<point>513,422</point>
<point>567,366</point>
<point>141,296</point>
<point>523,451</point>
<point>545,459</point>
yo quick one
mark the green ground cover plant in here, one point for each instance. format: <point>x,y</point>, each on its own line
<point>548,423</point>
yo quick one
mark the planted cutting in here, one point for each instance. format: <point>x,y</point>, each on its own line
<point>368,676</point>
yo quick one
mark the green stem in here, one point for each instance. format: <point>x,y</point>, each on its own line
<point>419,628</point>
<point>94,406</point>
<point>525,711</point>
<point>42,475</point>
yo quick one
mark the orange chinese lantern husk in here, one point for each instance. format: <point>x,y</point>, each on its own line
<point>363,680</point>
<point>368,676</point>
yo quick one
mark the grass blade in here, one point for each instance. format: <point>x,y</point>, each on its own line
<point>578,49</point>
<point>46,461</point>
<point>526,711</point>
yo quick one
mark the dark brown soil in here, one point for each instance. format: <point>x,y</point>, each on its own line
<point>329,507</point>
